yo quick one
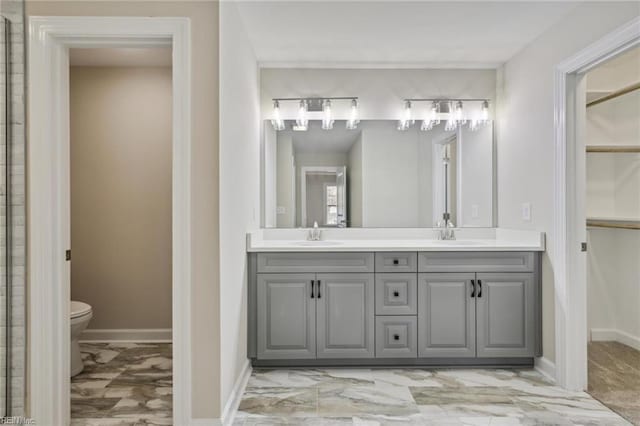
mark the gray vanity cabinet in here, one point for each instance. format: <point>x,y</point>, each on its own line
<point>446,315</point>
<point>505,315</point>
<point>346,315</point>
<point>286,316</point>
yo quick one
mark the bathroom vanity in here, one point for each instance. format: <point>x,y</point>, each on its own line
<point>394,297</point>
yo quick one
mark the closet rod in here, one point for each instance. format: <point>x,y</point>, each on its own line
<point>595,223</point>
<point>613,148</point>
<point>615,94</point>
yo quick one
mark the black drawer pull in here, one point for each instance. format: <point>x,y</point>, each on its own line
<point>396,262</point>
<point>312,283</point>
<point>396,294</point>
<point>479,288</point>
<point>396,337</point>
<point>319,295</point>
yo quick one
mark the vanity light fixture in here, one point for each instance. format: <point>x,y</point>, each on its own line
<point>302,122</point>
<point>352,122</point>
<point>406,121</point>
<point>315,108</point>
<point>327,120</point>
<point>455,113</point>
<point>277,122</point>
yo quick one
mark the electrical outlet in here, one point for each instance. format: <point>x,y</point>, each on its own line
<point>526,212</point>
<point>474,211</point>
<point>281,210</point>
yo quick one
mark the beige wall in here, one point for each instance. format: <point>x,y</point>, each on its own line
<point>121,195</point>
<point>205,312</point>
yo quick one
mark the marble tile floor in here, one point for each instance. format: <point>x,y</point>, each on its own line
<point>123,384</point>
<point>371,397</point>
<point>614,378</point>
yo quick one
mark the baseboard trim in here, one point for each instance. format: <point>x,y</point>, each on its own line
<point>613,335</point>
<point>545,367</point>
<point>205,422</point>
<point>231,407</point>
<point>155,335</point>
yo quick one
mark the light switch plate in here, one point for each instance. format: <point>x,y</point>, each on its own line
<point>475,211</point>
<point>281,210</point>
<point>526,211</point>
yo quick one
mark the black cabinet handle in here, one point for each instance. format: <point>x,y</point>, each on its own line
<point>479,288</point>
<point>319,295</point>
<point>396,337</point>
<point>396,294</point>
<point>473,286</point>
<point>312,283</point>
<point>396,262</point>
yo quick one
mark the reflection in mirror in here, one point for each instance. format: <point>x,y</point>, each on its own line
<point>377,176</point>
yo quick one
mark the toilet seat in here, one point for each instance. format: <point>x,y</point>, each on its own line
<point>78,309</point>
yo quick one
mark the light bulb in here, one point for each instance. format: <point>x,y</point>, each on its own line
<point>406,121</point>
<point>352,122</point>
<point>302,121</point>
<point>451,123</point>
<point>484,112</point>
<point>327,120</point>
<point>433,118</point>
<point>277,122</point>
<point>459,113</point>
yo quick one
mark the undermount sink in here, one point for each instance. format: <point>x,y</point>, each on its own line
<point>460,242</point>
<point>317,243</point>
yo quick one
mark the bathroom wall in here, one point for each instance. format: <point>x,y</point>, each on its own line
<point>240,133</point>
<point>121,197</point>
<point>526,125</point>
<point>205,249</point>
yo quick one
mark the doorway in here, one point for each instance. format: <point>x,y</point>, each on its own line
<point>49,199</point>
<point>570,232</point>
<point>120,222</point>
<point>613,232</point>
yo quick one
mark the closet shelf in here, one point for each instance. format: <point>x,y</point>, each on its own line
<point>613,148</point>
<point>613,223</point>
<point>615,94</point>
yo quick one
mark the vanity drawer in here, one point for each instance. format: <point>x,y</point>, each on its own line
<point>396,337</point>
<point>396,294</point>
<point>476,261</point>
<point>397,262</point>
<point>315,262</point>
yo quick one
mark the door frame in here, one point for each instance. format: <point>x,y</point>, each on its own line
<point>49,199</point>
<point>569,214</point>
<point>303,187</point>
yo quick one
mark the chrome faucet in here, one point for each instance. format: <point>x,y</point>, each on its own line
<point>314,234</point>
<point>446,231</point>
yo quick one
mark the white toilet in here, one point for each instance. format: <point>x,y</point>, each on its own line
<point>80,316</point>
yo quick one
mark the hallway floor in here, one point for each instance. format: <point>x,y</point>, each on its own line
<point>370,397</point>
<point>123,384</point>
<point>614,378</point>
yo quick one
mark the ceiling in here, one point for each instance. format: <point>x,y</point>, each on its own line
<point>394,33</point>
<point>316,140</point>
<point>120,57</point>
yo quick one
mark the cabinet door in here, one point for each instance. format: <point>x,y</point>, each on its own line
<point>286,316</point>
<point>446,315</point>
<point>505,321</point>
<point>346,322</point>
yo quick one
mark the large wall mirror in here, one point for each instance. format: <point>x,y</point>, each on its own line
<point>377,176</point>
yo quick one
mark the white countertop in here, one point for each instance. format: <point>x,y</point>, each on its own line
<point>394,239</point>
